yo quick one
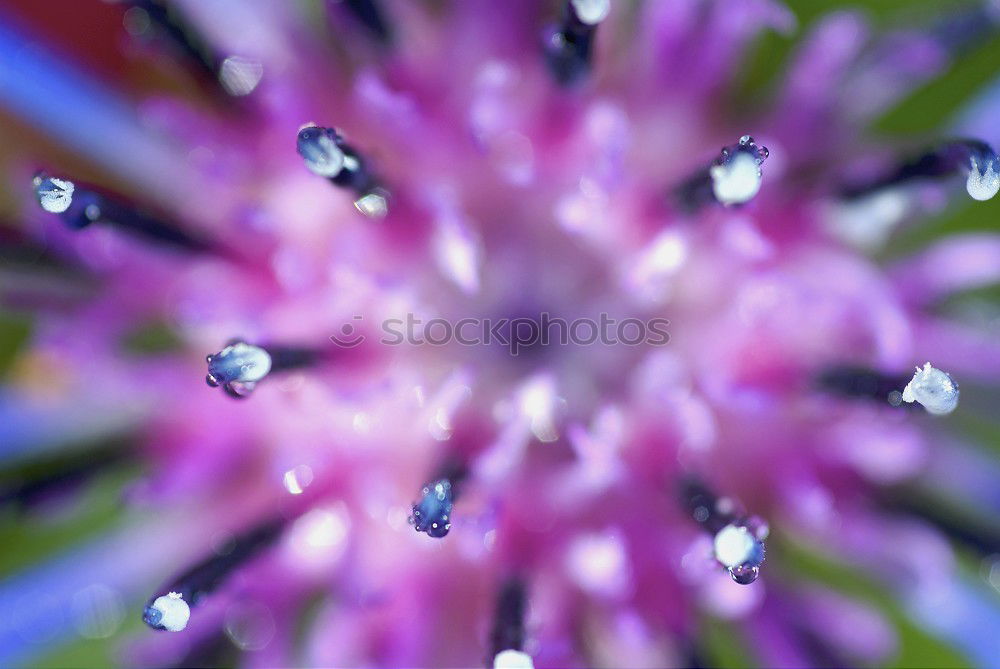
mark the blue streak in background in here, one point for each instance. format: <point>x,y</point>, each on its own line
<point>50,93</point>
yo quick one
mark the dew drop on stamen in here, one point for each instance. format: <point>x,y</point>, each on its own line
<point>238,368</point>
<point>318,147</point>
<point>744,574</point>
<point>933,389</point>
<point>168,612</point>
<point>591,12</point>
<point>513,659</point>
<point>984,177</point>
<point>737,176</point>
<point>735,545</point>
<point>54,195</point>
<point>432,514</point>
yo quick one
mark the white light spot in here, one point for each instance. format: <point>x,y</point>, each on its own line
<point>598,564</point>
<point>651,271</point>
<point>983,184</point>
<point>136,21</point>
<point>55,195</point>
<point>240,76</point>
<point>372,205</point>
<point>98,611</point>
<point>537,400</point>
<point>867,222</point>
<point>250,625</point>
<point>512,659</point>
<point>320,536</point>
<point>737,181</point>
<point>175,611</point>
<point>297,479</point>
<point>457,254</point>
<point>734,545</point>
<point>933,389</point>
<point>362,423</point>
<point>591,12</point>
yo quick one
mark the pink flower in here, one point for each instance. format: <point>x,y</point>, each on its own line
<point>339,218</point>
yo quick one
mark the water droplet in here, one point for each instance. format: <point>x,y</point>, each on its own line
<point>736,176</point>
<point>984,176</point>
<point>321,151</point>
<point>54,195</point>
<point>513,659</point>
<point>432,514</point>
<point>758,527</point>
<point>168,612</point>
<point>591,12</point>
<point>239,367</point>
<point>933,389</point>
<point>745,574</point>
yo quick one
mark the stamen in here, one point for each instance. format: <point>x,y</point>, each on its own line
<point>861,383</point>
<point>976,159</point>
<point>79,206</point>
<point>236,75</point>
<point>734,178</point>
<point>172,611</point>
<point>326,155</point>
<point>507,636</point>
<point>58,479</point>
<point>240,366</point>
<point>172,27</point>
<point>568,47</point>
<point>932,388</point>
<point>738,541</point>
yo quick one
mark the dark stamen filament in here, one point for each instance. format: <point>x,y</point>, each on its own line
<point>508,634</point>
<point>171,610</point>
<point>971,157</point>
<point>738,540</point>
<point>79,206</point>
<point>568,47</point>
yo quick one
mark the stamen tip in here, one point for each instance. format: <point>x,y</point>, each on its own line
<point>933,389</point>
<point>984,178</point>
<point>432,514</point>
<point>238,367</point>
<point>591,12</point>
<point>513,659</point>
<point>318,147</point>
<point>54,195</point>
<point>168,612</point>
<point>736,175</point>
<point>740,549</point>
